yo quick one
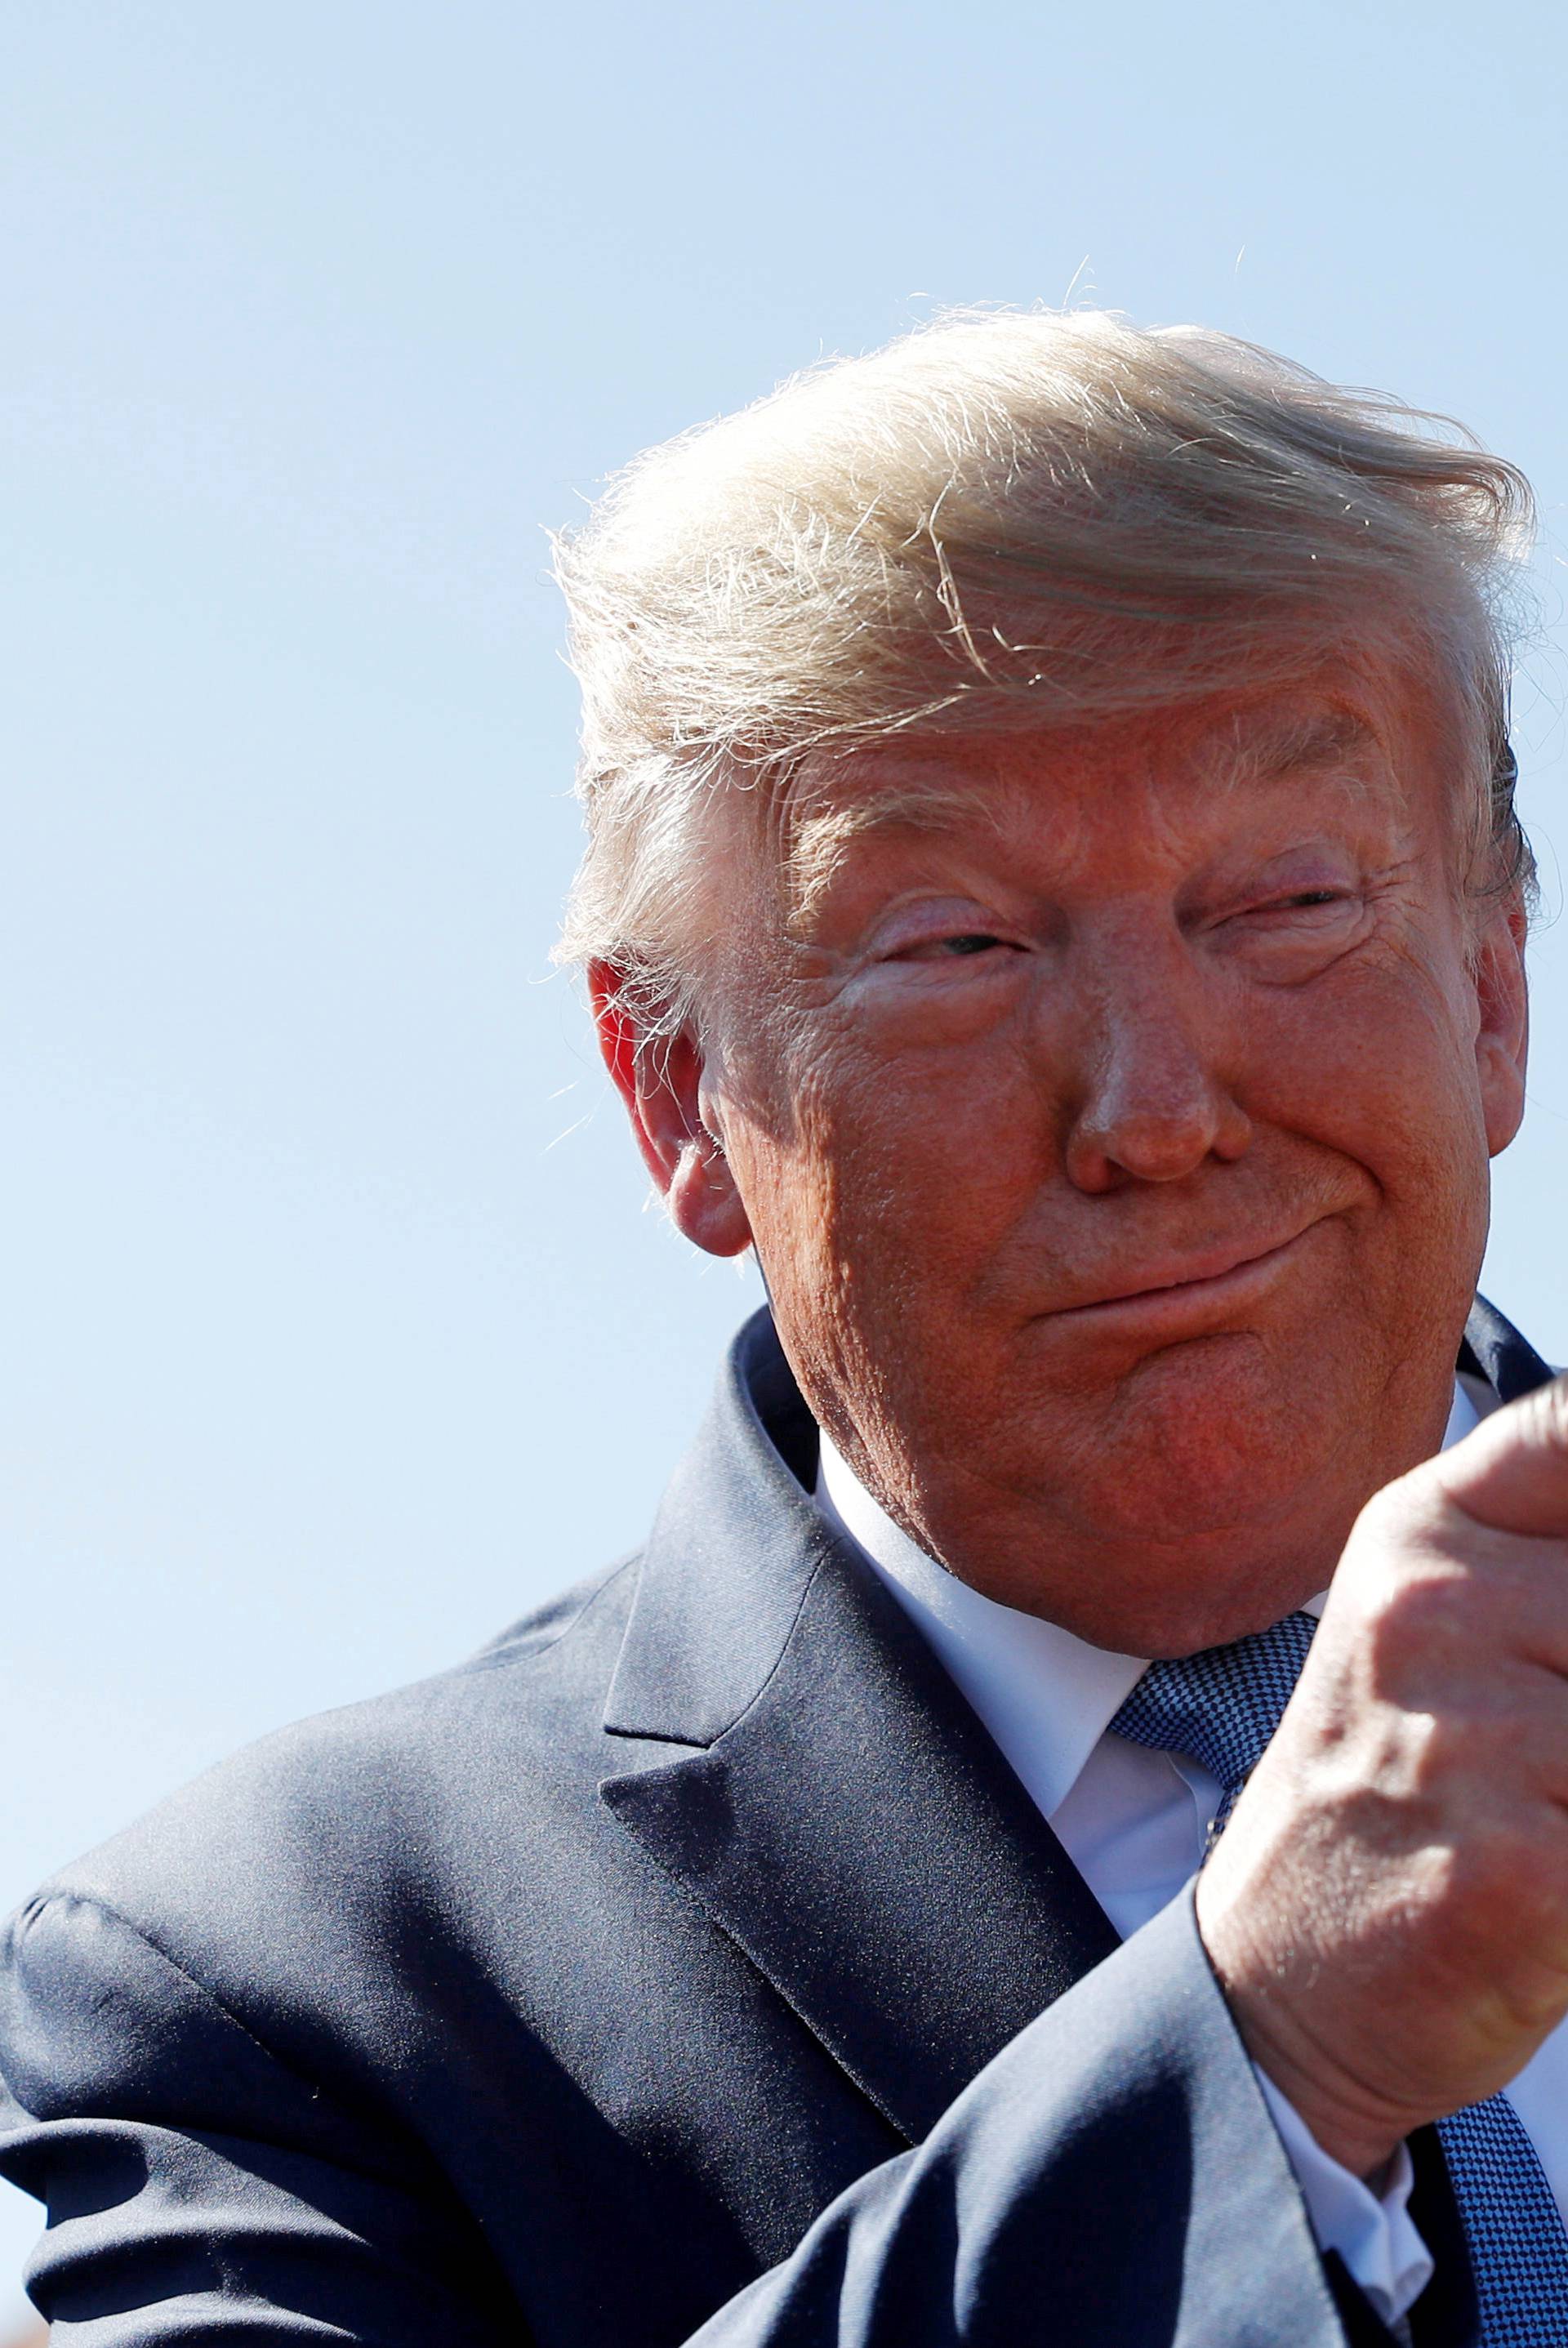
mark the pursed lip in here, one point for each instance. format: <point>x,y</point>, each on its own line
<point>1176,1280</point>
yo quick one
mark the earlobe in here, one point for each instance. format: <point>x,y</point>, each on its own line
<point>1502,1034</point>
<point>660,1081</point>
<point>705,1204</point>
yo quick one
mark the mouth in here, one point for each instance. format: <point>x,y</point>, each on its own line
<point>1175,1287</point>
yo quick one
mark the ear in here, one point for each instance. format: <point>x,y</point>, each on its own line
<point>660,1079</point>
<point>1502,1037</point>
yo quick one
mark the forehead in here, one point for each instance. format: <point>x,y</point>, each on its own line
<point>1360,733</point>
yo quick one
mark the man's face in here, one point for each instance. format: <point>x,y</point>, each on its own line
<point>1111,1115</point>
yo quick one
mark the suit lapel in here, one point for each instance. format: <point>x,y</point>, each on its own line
<point>838,1808</point>
<point>844,1817</point>
<point>1494,1350</point>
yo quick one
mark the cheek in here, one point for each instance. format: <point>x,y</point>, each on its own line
<point>1380,1065</point>
<point>940,1147</point>
<point>897,1174</point>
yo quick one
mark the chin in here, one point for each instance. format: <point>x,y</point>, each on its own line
<point>1174,1536</point>
<point>1249,1506</point>
<point>1199,1438</point>
<point>1204,1500</point>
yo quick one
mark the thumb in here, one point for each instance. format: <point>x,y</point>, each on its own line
<point>1511,1472</point>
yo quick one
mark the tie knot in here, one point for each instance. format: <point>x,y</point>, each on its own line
<point>1221,1706</point>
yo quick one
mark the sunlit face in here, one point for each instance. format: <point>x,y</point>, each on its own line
<point>1111,1116</point>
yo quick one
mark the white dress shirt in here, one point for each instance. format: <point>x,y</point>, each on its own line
<point>1133,1823</point>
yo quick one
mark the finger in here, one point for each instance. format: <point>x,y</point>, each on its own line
<point>1511,1472</point>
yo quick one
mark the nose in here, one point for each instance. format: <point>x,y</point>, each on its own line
<point>1149,1098</point>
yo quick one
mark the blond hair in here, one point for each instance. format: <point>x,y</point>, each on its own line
<point>1010,519</point>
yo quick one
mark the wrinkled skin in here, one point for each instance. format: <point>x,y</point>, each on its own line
<point>1188,1005</point>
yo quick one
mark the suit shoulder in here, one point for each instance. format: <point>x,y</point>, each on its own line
<point>379,1785</point>
<point>597,1604</point>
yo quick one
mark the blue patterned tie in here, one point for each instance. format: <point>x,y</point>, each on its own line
<point>1221,1708</point>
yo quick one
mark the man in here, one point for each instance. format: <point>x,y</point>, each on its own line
<point>1054,890</point>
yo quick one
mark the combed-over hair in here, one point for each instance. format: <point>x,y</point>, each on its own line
<point>1002,519</point>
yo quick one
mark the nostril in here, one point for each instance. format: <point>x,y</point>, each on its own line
<point>1155,1145</point>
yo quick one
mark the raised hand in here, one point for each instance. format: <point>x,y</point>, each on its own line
<point>1387,1909</point>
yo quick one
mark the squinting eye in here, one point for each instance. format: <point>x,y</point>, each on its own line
<point>972,941</point>
<point>1301,901</point>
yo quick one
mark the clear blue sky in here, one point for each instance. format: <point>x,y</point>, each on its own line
<point>335,1331</point>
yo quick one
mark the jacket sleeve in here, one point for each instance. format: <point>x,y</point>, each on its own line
<point>198,2189</point>
<point>1112,2176</point>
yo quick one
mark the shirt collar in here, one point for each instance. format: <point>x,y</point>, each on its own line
<point>1046,1696</point>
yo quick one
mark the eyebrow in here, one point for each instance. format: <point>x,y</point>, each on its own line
<point>1254,749</point>
<point>1260,751</point>
<point>820,837</point>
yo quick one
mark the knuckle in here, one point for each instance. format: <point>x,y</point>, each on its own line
<point>1536,1423</point>
<point>1549,1408</point>
<point>1419,1612</point>
<point>1400,1530</point>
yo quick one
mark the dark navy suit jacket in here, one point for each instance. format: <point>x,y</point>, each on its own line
<point>690,1963</point>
